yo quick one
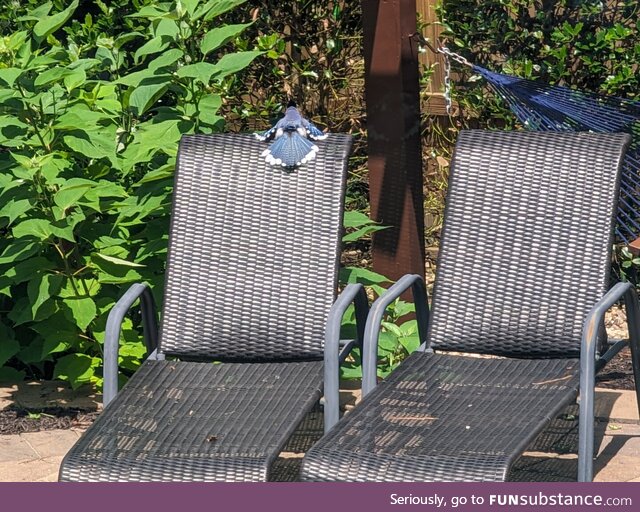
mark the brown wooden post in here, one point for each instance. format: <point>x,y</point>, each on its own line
<point>435,100</point>
<point>393,126</point>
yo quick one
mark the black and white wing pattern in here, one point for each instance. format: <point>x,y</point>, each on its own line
<point>291,146</point>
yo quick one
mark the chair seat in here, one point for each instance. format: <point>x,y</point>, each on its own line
<point>441,417</point>
<point>185,421</point>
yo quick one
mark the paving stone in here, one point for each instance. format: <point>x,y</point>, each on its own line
<point>51,443</point>
<point>40,470</point>
<point>618,405</point>
<point>13,449</point>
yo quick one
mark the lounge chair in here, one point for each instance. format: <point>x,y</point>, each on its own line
<point>515,329</point>
<point>251,280</point>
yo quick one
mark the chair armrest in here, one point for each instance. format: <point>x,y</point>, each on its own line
<point>353,293</point>
<point>588,365</point>
<point>112,334</point>
<point>374,322</point>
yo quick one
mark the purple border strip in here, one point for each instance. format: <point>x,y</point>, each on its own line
<point>312,497</point>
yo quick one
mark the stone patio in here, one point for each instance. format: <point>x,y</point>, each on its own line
<point>36,456</point>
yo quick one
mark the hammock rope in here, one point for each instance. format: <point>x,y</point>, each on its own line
<point>544,107</point>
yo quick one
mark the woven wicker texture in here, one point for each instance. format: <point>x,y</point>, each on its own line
<point>525,254</point>
<point>187,421</point>
<point>442,417</point>
<point>251,276</point>
<point>526,242</point>
<point>252,266</point>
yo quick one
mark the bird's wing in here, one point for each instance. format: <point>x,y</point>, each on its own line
<point>267,134</point>
<point>291,150</point>
<point>313,132</point>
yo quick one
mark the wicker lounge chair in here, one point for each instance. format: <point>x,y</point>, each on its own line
<point>521,281</point>
<point>251,282</point>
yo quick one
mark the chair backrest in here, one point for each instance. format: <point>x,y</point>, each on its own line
<point>253,250</point>
<point>526,244</point>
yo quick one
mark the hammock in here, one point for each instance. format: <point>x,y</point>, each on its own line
<point>543,107</point>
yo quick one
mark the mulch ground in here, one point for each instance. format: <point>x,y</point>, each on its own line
<point>19,421</point>
<point>618,373</point>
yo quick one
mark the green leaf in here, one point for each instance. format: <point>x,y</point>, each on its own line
<point>361,275</point>
<point>13,122</point>
<point>11,375</point>
<point>44,229</point>
<point>75,79</point>
<point>410,343</point>
<point>155,45</point>
<point>355,219</point>
<point>54,345</point>
<point>214,8</point>
<point>82,309</point>
<point>19,250</point>
<point>41,288</point>
<point>39,228</point>
<point>78,116</point>
<point>159,136</point>
<point>168,58</point>
<point>10,75</point>
<point>149,11</point>
<point>50,75</point>
<point>24,270</point>
<point>113,273</point>
<point>136,208</point>
<point>71,192</point>
<point>157,174</point>
<point>201,71</point>
<point>58,334</point>
<point>392,328</point>
<point>362,232</point>
<point>387,342</point>
<point>208,109</point>
<point>14,208</point>
<point>217,37</point>
<point>234,62</point>
<point>123,39</point>
<point>9,347</point>
<point>134,79</point>
<point>167,27</point>
<point>31,353</point>
<point>37,13</point>
<point>118,261</point>
<point>129,349</point>
<point>348,372</point>
<point>95,144</point>
<point>50,24</point>
<point>77,369</point>
<point>145,96</point>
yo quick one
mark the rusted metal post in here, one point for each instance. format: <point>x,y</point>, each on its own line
<point>393,125</point>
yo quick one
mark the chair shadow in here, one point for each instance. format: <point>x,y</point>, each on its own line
<point>44,395</point>
<point>552,457</point>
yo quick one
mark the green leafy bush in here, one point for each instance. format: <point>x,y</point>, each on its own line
<point>90,119</point>
<point>588,45</point>
<point>583,44</point>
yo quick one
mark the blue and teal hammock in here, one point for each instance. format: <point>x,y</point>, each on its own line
<point>544,107</point>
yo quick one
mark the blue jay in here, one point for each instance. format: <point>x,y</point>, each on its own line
<point>291,146</point>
